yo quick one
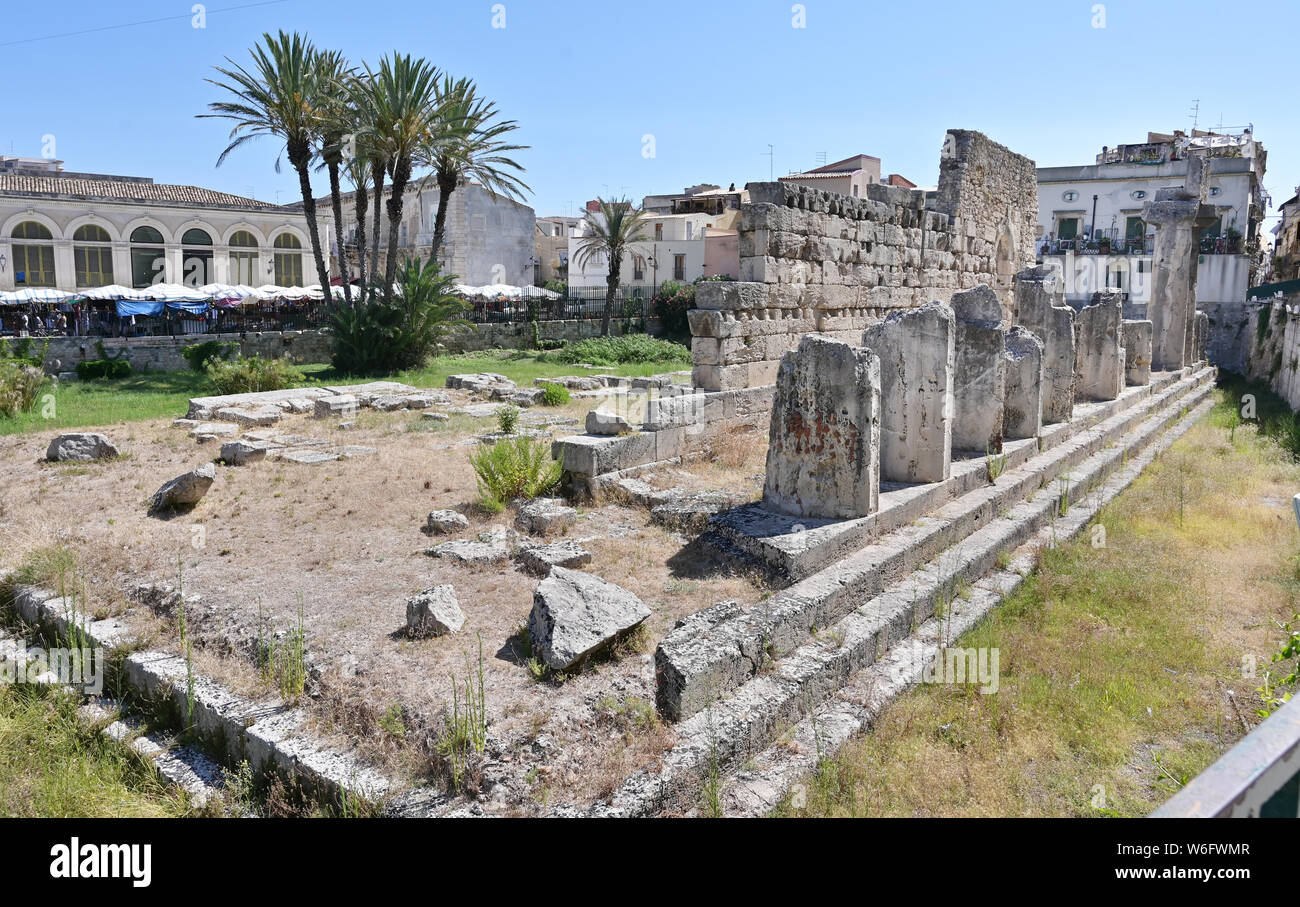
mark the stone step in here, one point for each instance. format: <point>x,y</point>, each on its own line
<point>797,547</point>
<point>707,657</point>
<point>733,729</point>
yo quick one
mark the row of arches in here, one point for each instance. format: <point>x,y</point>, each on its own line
<point>32,246</point>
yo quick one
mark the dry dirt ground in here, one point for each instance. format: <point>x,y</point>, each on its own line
<point>342,541</point>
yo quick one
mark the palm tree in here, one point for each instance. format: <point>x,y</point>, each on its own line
<point>406,111</point>
<point>469,146</point>
<point>281,97</point>
<point>609,232</point>
<point>334,74</point>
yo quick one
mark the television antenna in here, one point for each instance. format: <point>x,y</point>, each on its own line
<point>1196,111</point>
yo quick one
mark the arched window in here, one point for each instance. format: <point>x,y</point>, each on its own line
<point>243,258</point>
<point>288,260</point>
<point>33,248</point>
<point>196,258</point>
<point>93,256</point>
<point>148,259</point>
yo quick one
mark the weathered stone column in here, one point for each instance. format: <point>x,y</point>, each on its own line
<point>823,456</point>
<point>1022,406</point>
<point>1173,287</point>
<point>980,370</point>
<point>1099,357</point>
<point>1137,352</point>
<point>917,353</point>
<point>1200,338</point>
<point>1041,308</point>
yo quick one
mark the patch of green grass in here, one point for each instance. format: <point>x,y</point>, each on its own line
<point>54,766</point>
<point>158,395</point>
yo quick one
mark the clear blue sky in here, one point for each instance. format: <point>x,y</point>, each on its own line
<point>714,82</point>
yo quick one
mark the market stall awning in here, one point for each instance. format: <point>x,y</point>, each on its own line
<point>37,295</point>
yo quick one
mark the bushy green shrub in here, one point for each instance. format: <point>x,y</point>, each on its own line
<point>23,351</point>
<point>199,354</point>
<point>19,384</point>
<point>243,376</point>
<point>630,348</point>
<point>554,395</point>
<point>90,369</point>
<point>378,335</point>
<point>671,304</point>
<point>556,286</point>
<point>507,419</point>
<point>514,468</point>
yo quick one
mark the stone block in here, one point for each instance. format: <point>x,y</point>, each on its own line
<point>1137,352</point>
<point>1099,355</point>
<point>824,445</point>
<point>1022,401</point>
<point>980,371</point>
<point>1040,308</point>
<point>917,357</point>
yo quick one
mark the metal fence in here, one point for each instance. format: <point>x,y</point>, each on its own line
<point>578,304</point>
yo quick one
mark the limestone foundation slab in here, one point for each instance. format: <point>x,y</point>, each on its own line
<point>1041,308</point>
<point>980,370</point>
<point>1022,403</point>
<point>823,457</point>
<point>917,358</point>
<point>1137,352</point>
<point>1099,355</point>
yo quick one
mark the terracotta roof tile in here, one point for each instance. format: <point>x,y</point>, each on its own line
<point>123,190</point>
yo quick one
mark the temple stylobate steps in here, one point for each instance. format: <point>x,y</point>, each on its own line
<point>747,677</point>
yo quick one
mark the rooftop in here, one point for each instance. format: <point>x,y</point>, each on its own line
<point>106,188</point>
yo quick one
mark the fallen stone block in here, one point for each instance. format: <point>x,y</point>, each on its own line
<point>434,612</point>
<point>544,516</point>
<point>444,522</point>
<point>387,403</point>
<point>539,559</point>
<point>491,547</point>
<point>184,490</point>
<point>435,417</point>
<point>600,422</point>
<point>81,447</point>
<point>575,614</point>
<point>241,453</point>
<point>690,511</point>
<point>338,406</point>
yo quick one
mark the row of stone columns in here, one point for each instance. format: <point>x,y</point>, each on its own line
<point>935,378</point>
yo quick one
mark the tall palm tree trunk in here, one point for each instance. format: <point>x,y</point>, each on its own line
<point>336,203</point>
<point>611,289</point>
<point>446,185</point>
<point>300,158</point>
<point>377,172</point>
<point>401,175</point>
<point>361,202</point>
